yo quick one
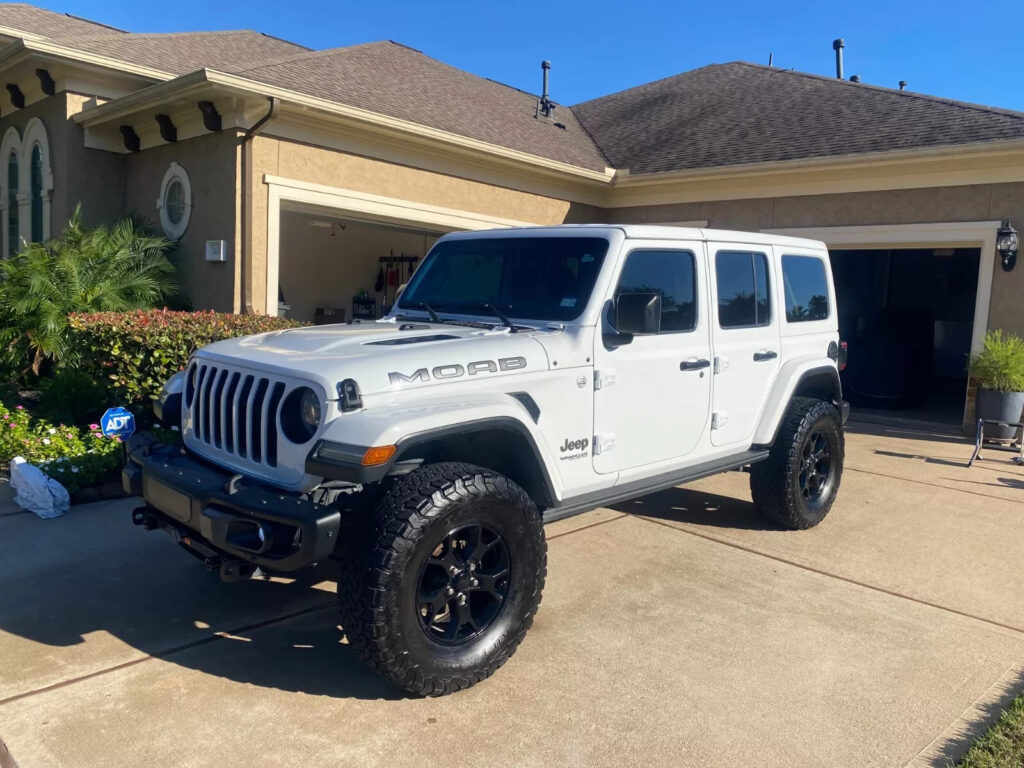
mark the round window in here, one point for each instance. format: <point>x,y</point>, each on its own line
<point>175,201</point>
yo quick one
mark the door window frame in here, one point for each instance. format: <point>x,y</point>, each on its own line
<point>713,264</point>
<point>696,286</point>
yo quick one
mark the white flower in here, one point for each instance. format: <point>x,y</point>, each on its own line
<point>52,431</point>
<point>74,469</point>
<point>46,441</point>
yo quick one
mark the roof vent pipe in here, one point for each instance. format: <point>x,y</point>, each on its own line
<point>837,45</point>
<point>854,78</point>
<point>545,107</point>
<point>903,85</point>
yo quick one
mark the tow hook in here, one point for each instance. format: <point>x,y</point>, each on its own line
<point>236,570</point>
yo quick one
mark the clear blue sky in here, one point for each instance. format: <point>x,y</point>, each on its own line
<point>967,51</point>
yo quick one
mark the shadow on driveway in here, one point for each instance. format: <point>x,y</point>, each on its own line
<point>687,505</point>
<point>70,582</point>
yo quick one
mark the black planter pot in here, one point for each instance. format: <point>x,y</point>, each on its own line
<point>1000,406</point>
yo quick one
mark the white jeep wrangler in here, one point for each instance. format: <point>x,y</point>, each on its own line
<point>523,376</point>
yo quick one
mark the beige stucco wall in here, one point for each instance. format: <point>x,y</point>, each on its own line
<point>316,165</point>
<point>984,202</point>
<point>210,162</point>
<point>83,176</point>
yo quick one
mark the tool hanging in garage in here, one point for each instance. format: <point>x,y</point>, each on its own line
<point>394,273</point>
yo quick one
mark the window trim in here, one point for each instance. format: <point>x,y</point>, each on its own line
<point>696,285</point>
<point>785,300</point>
<point>173,230</point>
<point>767,272</point>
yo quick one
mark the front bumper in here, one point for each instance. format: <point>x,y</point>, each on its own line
<point>209,510</point>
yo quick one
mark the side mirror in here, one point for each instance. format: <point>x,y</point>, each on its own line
<point>638,313</point>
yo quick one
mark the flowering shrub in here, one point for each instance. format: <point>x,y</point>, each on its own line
<point>136,352</point>
<point>78,458</point>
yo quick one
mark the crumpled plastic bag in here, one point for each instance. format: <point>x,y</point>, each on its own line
<point>36,492</point>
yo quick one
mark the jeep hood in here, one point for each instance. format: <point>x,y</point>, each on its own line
<point>385,356</point>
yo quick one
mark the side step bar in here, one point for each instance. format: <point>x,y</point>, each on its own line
<point>617,493</point>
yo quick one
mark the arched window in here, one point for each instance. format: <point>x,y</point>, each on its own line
<point>36,191</point>
<point>12,203</point>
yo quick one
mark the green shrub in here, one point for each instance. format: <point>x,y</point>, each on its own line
<point>78,458</point>
<point>71,397</point>
<point>1000,364</point>
<point>136,352</point>
<point>84,270</point>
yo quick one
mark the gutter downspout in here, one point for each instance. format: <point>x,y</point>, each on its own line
<point>247,204</point>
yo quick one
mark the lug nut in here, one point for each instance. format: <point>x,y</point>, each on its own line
<point>474,583</point>
<point>450,591</point>
<point>461,599</point>
<point>452,570</point>
<point>472,566</point>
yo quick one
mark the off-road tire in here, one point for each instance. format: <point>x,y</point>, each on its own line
<point>775,483</point>
<point>381,573</point>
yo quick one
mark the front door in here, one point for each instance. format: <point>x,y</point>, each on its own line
<point>652,394</point>
<point>746,336</point>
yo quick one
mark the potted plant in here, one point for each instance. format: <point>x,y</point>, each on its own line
<point>998,372</point>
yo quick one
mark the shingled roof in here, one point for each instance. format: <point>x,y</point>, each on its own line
<point>394,80</point>
<point>181,52</point>
<point>39,21</point>
<point>729,114</point>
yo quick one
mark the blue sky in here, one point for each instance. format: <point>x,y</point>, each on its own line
<point>963,51</point>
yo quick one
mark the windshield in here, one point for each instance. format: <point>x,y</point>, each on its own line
<point>531,278</point>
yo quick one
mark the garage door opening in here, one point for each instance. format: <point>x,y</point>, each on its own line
<point>908,315</point>
<point>334,269</point>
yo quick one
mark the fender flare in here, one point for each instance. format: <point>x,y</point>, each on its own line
<point>339,461</point>
<point>787,384</point>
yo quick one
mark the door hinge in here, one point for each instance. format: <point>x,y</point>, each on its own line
<point>721,364</point>
<point>603,379</point>
<point>604,443</point>
<point>719,419</point>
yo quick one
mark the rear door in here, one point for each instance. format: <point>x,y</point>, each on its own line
<point>745,336</point>
<point>652,394</point>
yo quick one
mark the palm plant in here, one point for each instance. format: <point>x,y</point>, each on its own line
<point>106,269</point>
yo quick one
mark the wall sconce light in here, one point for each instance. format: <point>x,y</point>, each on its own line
<point>1007,243</point>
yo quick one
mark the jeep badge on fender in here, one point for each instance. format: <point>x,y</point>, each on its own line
<point>522,376</point>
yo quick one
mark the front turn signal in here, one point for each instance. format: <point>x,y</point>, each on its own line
<point>378,455</point>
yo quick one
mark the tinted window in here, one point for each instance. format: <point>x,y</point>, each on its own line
<point>531,278</point>
<point>671,275</point>
<point>744,297</point>
<point>806,289</point>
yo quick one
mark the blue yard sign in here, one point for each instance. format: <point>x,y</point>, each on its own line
<point>118,422</point>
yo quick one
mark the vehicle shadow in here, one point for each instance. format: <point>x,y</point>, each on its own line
<point>72,580</point>
<point>688,505</point>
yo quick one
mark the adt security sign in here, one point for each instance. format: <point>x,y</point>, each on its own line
<point>118,422</point>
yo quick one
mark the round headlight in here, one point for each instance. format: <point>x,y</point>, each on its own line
<point>301,414</point>
<point>310,408</point>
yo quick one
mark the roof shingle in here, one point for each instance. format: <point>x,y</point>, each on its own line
<point>397,81</point>
<point>39,21</point>
<point>735,113</point>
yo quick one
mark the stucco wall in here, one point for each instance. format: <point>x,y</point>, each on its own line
<point>210,162</point>
<point>87,176</point>
<point>987,202</point>
<point>339,169</point>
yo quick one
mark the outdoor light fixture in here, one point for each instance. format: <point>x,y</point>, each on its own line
<point>1006,243</point>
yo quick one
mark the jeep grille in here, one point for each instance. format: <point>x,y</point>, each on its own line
<point>235,413</point>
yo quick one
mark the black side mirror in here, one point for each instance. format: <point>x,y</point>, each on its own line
<point>638,313</point>
<point>631,314</point>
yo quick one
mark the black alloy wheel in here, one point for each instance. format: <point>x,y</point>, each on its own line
<point>463,584</point>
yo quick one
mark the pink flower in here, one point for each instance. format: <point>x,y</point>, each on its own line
<point>94,426</point>
<point>12,425</point>
<point>21,407</point>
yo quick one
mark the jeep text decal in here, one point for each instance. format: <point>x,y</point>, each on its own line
<point>574,449</point>
<point>455,370</point>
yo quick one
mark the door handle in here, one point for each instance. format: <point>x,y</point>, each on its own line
<point>694,364</point>
<point>765,354</point>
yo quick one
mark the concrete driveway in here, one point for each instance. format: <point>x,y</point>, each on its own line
<point>675,630</point>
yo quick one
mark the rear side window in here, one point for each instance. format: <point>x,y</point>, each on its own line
<point>671,275</point>
<point>805,287</point>
<point>744,296</point>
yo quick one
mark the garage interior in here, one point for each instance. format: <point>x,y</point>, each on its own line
<point>908,316</point>
<point>334,269</point>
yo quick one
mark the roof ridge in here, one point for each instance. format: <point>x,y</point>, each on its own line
<point>884,89</point>
<point>645,85</point>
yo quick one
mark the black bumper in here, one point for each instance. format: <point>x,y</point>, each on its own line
<point>844,410</point>
<point>208,509</point>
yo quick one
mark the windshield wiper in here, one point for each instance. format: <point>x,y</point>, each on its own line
<point>487,307</point>
<point>428,309</point>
